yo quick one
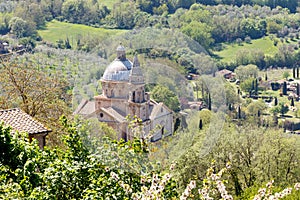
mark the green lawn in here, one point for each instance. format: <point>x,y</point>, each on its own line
<point>230,50</point>
<point>56,30</point>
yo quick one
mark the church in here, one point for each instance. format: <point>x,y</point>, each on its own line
<point>123,96</point>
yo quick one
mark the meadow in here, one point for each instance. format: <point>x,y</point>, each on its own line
<point>266,45</point>
<point>109,3</point>
<point>56,30</point>
<point>229,51</point>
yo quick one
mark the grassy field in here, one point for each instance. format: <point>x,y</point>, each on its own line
<point>109,3</point>
<point>276,74</point>
<point>56,30</point>
<point>266,45</point>
<point>230,51</point>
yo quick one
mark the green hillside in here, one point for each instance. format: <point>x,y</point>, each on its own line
<point>56,30</point>
<point>228,53</point>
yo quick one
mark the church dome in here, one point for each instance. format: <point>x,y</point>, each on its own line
<point>119,69</point>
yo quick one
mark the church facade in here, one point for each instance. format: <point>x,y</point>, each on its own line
<point>123,96</point>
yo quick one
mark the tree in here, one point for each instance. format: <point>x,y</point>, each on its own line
<point>294,72</point>
<point>67,173</point>
<point>21,28</point>
<point>292,102</point>
<point>247,85</point>
<point>4,23</point>
<point>251,162</point>
<point>281,108</point>
<point>31,12</point>
<point>232,97</point>
<point>39,94</point>
<point>74,10</point>
<point>255,106</point>
<point>245,72</point>
<point>209,102</point>
<point>285,75</point>
<point>284,88</point>
<point>200,124</point>
<point>123,15</point>
<point>275,101</point>
<point>199,32</point>
<point>163,94</point>
<point>273,27</point>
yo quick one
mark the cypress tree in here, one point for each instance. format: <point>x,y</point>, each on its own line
<point>266,77</point>
<point>275,101</point>
<point>294,72</point>
<point>292,102</point>
<point>256,86</point>
<point>200,124</point>
<point>284,88</point>
<point>177,124</point>
<point>258,113</point>
<point>297,71</point>
<point>298,89</point>
<point>202,90</point>
<point>239,112</point>
<point>209,102</point>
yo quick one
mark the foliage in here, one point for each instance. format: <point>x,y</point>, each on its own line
<point>246,72</point>
<point>20,27</point>
<point>256,107</point>
<point>247,85</point>
<point>120,168</point>
<point>163,94</point>
<point>75,172</point>
<point>200,32</point>
<point>24,84</point>
<point>4,23</point>
<point>285,75</point>
<point>281,108</point>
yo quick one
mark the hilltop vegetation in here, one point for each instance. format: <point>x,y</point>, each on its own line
<point>240,133</point>
<point>210,23</point>
<point>79,36</point>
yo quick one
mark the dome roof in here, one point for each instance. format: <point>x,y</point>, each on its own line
<point>118,70</point>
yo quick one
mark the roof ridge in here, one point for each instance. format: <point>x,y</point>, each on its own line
<point>9,109</point>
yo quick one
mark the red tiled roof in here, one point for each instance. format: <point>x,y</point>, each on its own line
<point>224,71</point>
<point>21,121</point>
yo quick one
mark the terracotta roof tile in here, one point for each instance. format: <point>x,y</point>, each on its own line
<point>21,121</point>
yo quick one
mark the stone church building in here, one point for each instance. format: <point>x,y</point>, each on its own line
<point>123,94</point>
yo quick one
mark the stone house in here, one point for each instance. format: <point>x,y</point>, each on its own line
<point>22,122</point>
<point>227,74</point>
<point>123,94</point>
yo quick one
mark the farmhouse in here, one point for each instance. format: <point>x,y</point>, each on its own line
<point>123,95</point>
<point>227,74</point>
<point>22,122</point>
